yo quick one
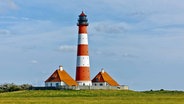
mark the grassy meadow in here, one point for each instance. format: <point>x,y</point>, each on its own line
<point>91,97</point>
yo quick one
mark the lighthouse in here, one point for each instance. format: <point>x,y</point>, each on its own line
<point>61,78</point>
<point>83,64</point>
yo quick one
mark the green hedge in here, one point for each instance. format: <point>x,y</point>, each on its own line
<point>9,87</point>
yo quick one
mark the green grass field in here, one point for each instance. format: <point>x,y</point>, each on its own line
<point>91,97</point>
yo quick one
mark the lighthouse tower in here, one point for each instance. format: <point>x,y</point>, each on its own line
<point>83,65</point>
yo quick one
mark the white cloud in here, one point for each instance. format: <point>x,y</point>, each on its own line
<point>67,48</point>
<point>110,27</point>
<point>6,5</point>
<point>4,32</point>
<point>145,5</point>
<point>34,61</point>
<point>144,15</point>
<point>109,53</point>
<point>26,26</point>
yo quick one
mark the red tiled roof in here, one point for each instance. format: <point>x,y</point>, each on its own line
<point>105,77</point>
<point>62,75</point>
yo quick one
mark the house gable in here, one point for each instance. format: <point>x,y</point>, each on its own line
<point>54,77</point>
<point>62,76</point>
<point>105,77</point>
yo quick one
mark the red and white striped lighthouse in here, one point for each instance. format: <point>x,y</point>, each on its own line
<point>83,65</point>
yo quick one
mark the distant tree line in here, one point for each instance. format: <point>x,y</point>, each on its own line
<point>9,87</point>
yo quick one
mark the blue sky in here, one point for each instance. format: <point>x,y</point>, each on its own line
<point>138,42</point>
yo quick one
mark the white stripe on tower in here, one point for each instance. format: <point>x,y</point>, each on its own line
<point>83,64</point>
<point>83,61</point>
<point>83,39</point>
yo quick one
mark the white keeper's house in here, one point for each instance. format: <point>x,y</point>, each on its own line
<point>60,78</point>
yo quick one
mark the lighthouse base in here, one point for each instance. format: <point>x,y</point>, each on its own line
<point>84,83</point>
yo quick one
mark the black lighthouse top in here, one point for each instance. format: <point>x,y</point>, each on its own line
<point>82,20</point>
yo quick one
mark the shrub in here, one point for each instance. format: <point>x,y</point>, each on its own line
<point>161,89</point>
<point>25,86</point>
<point>9,87</point>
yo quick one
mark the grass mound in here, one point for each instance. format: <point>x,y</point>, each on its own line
<point>91,97</point>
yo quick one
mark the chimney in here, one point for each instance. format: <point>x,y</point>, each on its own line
<point>102,70</point>
<point>61,68</point>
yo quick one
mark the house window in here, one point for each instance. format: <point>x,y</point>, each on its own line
<point>96,79</point>
<point>50,84</point>
<point>101,84</point>
<point>95,84</point>
<point>57,84</point>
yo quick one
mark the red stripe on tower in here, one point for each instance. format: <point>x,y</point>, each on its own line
<point>83,66</point>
